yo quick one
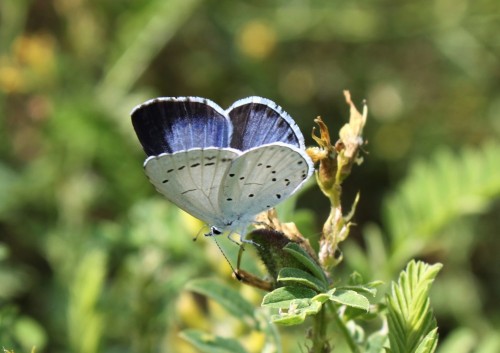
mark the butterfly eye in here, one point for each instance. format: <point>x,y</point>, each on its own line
<point>215,231</point>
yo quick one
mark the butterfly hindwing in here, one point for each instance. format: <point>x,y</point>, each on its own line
<point>192,179</point>
<point>261,178</point>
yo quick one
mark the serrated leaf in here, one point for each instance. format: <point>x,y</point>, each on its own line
<point>429,343</point>
<point>210,343</point>
<point>283,296</point>
<point>350,298</point>
<point>305,259</point>
<point>226,296</point>
<point>410,318</point>
<point>439,191</point>
<point>291,276</point>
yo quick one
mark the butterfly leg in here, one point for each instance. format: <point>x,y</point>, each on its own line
<point>248,241</point>
<point>242,239</point>
<point>230,236</point>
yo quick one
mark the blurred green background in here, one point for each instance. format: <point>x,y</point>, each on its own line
<point>93,260</point>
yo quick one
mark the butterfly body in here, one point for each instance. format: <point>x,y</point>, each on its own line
<point>223,167</point>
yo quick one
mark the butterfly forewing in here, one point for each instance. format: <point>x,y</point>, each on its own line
<point>171,124</point>
<point>261,178</point>
<point>192,179</point>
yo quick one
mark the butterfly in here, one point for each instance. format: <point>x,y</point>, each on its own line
<point>222,166</point>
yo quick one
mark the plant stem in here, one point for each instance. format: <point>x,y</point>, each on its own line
<point>343,328</point>
<point>318,337</point>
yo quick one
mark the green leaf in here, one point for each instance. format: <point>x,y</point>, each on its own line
<point>292,276</point>
<point>289,319</point>
<point>226,296</point>
<point>350,298</point>
<point>283,296</point>
<point>439,191</point>
<point>429,343</point>
<point>210,343</point>
<point>376,342</point>
<point>410,318</point>
<point>305,259</point>
<point>297,312</point>
<point>368,288</point>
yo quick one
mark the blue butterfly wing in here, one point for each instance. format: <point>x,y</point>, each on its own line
<point>258,121</point>
<point>168,125</point>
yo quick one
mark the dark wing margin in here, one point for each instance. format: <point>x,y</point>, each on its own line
<point>171,124</point>
<point>258,121</point>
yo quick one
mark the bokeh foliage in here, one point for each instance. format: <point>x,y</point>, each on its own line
<point>92,259</point>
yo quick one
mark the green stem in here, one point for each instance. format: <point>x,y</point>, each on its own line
<point>343,328</point>
<point>318,337</point>
<point>335,195</point>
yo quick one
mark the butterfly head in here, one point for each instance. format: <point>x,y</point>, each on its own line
<point>214,231</point>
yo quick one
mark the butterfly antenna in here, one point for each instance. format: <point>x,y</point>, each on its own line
<point>235,272</point>
<point>199,232</point>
